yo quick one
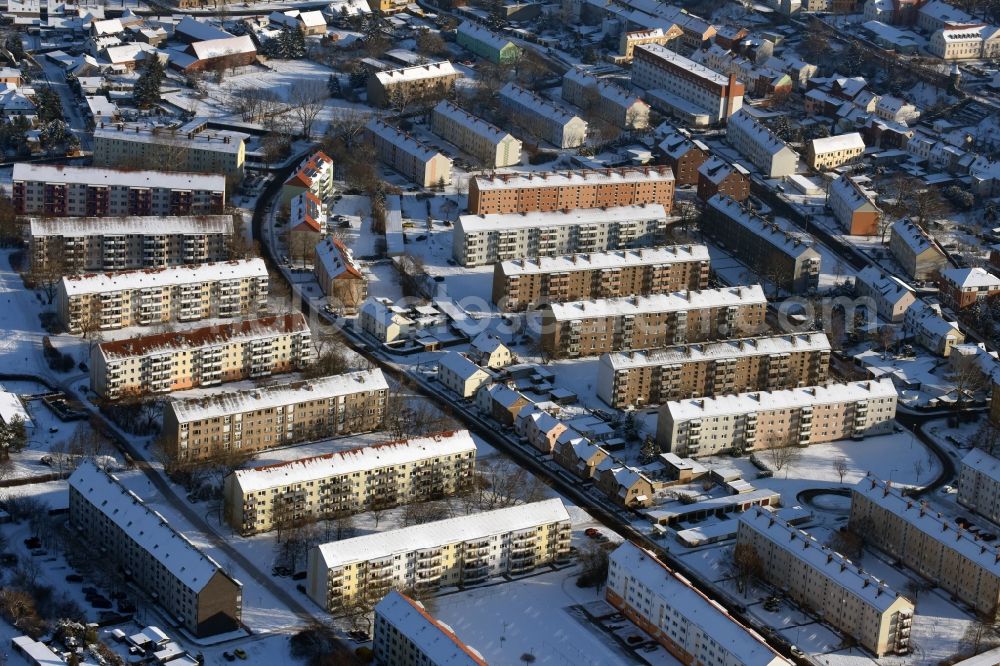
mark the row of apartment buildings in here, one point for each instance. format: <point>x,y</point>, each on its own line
<point>239,422</point>
<point>191,147</point>
<point>489,144</point>
<point>153,296</point>
<point>410,157</point>
<point>528,283</point>
<point>66,191</point>
<point>768,363</point>
<point>261,499</point>
<point>589,328</point>
<point>200,357</point>
<point>764,419</point>
<point>464,550</point>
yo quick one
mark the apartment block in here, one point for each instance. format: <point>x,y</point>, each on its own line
<point>716,176</point>
<point>793,417</point>
<point>261,499</point>
<point>692,627</point>
<point>415,160</point>
<point>813,576</point>
<point>550,191</point>
<point>610,102</point>
<point>160,295</point>
<point>405,634</point>
<point>922,539</point>
<point>761,146</point>
<point>542,118</point>
<point>589,328</point>
<point>409,85</point>
<point>478,240</point>
<point>191,147</point>
<point>979,484</point>
<point>456,551</point>
<point>314,175</point>
<point>77,244</point>
<point>891,296</point>
<point>527,283</point>
<point>684,86</point>
<point>485,43</point>
<point>207,356</point>
<point>192,588</point>
<point>489,144</point>
<point>339,276</point>
<point>963,287</point>
<point>854,206</point>
<point>770,363</point>
<point>629,40</point>
<point>919,254</point>
<point>925,323</point>
<point>67,191</point>
<point>834,151</point>
<point>684,155</point>
<point>197,429</point>
<point>781,257</point>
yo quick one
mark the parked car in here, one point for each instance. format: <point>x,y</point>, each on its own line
<point>299,575</point>
<point>229,656</point>
<point>239,652</point>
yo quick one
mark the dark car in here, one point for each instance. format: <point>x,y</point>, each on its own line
<point>229,656</point>
<point>299,575</point>
<point>301,588</point>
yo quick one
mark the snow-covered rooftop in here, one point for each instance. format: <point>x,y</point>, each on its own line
<point>402,140</point>
<point>278,395</point>
<point>890,287</point>
<point>526,99</point>
<point>221,141</point>
<point>177,180</point>
<point>832,144</point>
<point>693,299</point>
<point>501,221</point>
<point>416,73</point>
<point>971,278</point>
<point>764,401</point>
<point>434,639</point>
<point>131,226</point>
<point>915,238</point>
<point>476,125</point>
<point>146,527</point>
<point>443,532</point>
<point>703,351</point>
<point>851,191</point>
<point>982,462</point>
<point>761,136</point>
<point>337,258</point>
<point>148,278</point>
<point>484,35</point>
<point>573,178</point>
<point>697,69</point>
<point>669,254</point>
<point>459,364</point>
<point>11,407</point>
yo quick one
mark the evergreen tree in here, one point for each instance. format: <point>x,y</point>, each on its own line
<point>48,106</point>
<point>146,92</point>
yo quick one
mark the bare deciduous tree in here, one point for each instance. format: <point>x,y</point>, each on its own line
<point>307,98</point>
<point>841,467</point>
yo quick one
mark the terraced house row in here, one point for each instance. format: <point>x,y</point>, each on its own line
<point>68,191</point>
<point>345,482</point>
<point>197,429</point>
<point>465,550</point>
<point>153,296</point>
<point>200,357</point>
<point>527,283</point>
<point>75,244</point>
<point>564,190</point>
<point>640,378</point>
<point>588,328</point>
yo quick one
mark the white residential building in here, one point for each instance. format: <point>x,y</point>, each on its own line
<point>686,88</point>
<point>608,101</point>
<point>415,160</point>
<point>834,151</point>
<point>979,484</point>
<point>485,239</point>
<point>925,323</point>
<point>543,118</point>
<point>460,375</point>
<point>383,321</point>
<point>891,296</point>
<point>489,144</point>
<point>759,145</point>
<point>405,634</point>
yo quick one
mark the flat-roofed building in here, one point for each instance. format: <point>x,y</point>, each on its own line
<point>69,191</point>
<point>854,206</point>
<point>608,101</point>
<point>527,283</point>
<point>191,587</point>
<point>456,551</point>
<point>834,151</point>
<point>191,147</point>
<point>589,328</point>
<point>784,258</point>
<point>759,420</point>
<point>412,158</point>
<point>77,244</point>
<point>919,254</point>
<point>240,422</point>
<point>979,484</point>
<point>852,600</point>
<point>892,296</point>
<point>550,191</point>
<point>260,499</point>
<point>405,634</point>
<point>922,539</point>
<point>478,240</point>
<point>104,301</point>
<point>683,83</point>
<point>489,144</point>
<point>692,627</point>
<point>543,118</point>
<point>485,43</point>
<point>340,277</point>
<point>409,85</point>
<point>761,146</point>
<point>642,378</point>
<point>716,176</point>
<point>206,356</point>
